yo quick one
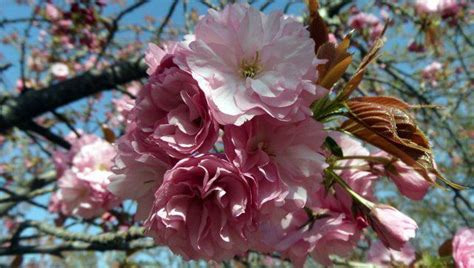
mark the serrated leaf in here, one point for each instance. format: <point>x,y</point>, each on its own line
<point>386,123</point>
<point>357,77</point>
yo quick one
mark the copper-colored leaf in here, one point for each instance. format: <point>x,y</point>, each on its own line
<point>338,60</point>
<point>357,77</point>
<point>335,73</point>
<point>318,30</point>
<point>386,122</point>
<point>109,135</point>
<point>446,249</point>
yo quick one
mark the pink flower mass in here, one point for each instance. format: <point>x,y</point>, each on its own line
<point>222,155</point>
<point>203,209</point>
<point>284,159</point>
<point>238,60</point>
<point>83,178</point>
<point>463,248</point>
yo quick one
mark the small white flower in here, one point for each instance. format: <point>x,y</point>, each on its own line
<point>60,70</point>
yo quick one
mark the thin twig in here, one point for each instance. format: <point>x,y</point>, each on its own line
<point>167,19</point>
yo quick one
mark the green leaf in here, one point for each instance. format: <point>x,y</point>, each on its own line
<point>333,147</point>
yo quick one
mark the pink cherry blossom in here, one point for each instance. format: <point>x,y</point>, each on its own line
<point>155,55</point>
<point>52,12</point>
<point>63,159</point>
<point>60,70</point>
<point>463,248</point>
<point>172,109</point>
<point>83,194</point>
<point>138,170</point>
<point>125,103</point>
<point>83,177</point>
<point>203,209</point>
<point>363,20</point>
<point>427,6</point>
<point>283,158</point>
<point>96,155</point>
<point>384,257</point>
<point>393,228</point>
<point>430,73</point>
<point>296,237</point>
<point>241,59</point>
<point>409,182</point>
<point>450,8</point>
<point>446,8</point>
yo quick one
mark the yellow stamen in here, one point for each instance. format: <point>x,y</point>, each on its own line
<point>250,69</point>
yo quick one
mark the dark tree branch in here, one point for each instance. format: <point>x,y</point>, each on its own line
<point>46,133</point>
<point>167,19</point>
<point>21,109</point>
<point>32,185</point>
<point>115,26</point>
<point>75,246</point>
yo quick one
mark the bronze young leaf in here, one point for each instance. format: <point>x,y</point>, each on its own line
<point>386,122</point>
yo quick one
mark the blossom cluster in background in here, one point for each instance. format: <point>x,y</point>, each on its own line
<point>83,173</point>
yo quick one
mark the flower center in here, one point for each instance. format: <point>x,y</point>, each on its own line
<point>102,167</point>
<point>250,68</point>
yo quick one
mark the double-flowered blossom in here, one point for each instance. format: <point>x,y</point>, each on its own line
<point>83,178</point>
<point>138,170</point>
<point>248,63</point>
<point>171,109</point>
<point>284,159</point>
<point>203,209</point>
<point>463,248</point>
<point>169,121</point>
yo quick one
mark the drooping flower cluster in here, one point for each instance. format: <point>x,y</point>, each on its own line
<point>245,82</point>
<point>83,173</point>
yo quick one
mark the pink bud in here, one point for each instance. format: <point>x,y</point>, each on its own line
<point>52,12</point>
<point>393,227</point>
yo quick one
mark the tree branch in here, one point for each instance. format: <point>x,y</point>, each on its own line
<point>25,107</point>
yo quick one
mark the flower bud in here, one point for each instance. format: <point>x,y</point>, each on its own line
<point>393,227</point>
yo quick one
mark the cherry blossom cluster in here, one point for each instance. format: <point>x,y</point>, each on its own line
<point>369,23</point>
<point>76,25</point>
<point>223,156</point>
<point>445,8</point>
<point>83,173</point>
